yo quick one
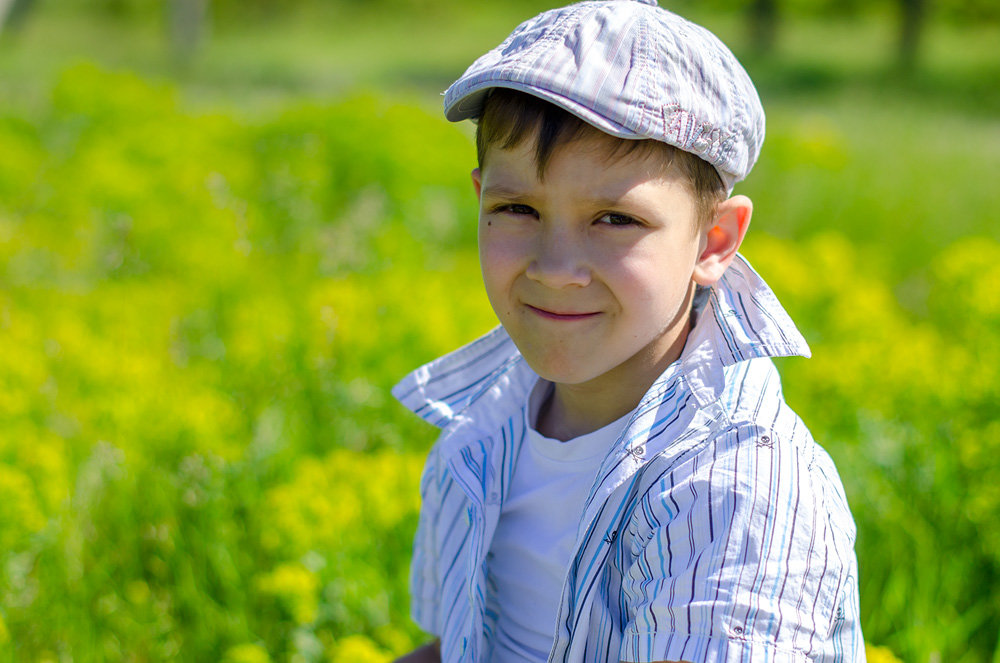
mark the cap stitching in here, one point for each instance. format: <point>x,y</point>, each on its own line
<point>646,64</point>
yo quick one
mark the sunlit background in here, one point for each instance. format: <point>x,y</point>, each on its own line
<point>228,228</point>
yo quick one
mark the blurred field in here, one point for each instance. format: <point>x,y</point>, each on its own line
<point>212,271</point>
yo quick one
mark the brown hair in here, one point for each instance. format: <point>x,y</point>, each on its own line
<point>510,116</point>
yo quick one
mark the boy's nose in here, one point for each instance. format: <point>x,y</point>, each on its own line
<point>559,261</point>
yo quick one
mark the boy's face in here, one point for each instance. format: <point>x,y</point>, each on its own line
<point>591,270</point>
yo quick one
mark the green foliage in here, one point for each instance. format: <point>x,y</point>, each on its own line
<point>194,306</point>
<point>203,315</point>
<point>905,405</point>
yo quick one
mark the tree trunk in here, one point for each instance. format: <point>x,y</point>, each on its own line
<point>187,26</point>
<point>911,28</point>
<point>763,25</point>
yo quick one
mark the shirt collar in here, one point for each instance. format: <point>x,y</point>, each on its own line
<point>742,320</point>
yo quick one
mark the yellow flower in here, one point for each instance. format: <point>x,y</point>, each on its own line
<point>137,592</point>
<point>329,501</point>
<point>246,653</point>
<point>880,654</point>
<point>357,649</point>
<point>296,588</point>
<point>19,510</point>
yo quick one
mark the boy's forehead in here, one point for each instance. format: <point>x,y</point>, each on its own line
<point>594,168</point>
<point>618,156</point>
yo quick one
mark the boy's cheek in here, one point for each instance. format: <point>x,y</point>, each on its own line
<point>500,267</point>
<point>493,238</point>
<point>502,252</point>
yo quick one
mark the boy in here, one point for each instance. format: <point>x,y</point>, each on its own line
<point>618,477</point>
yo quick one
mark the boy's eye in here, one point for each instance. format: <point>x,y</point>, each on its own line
<point>613,219</point>
<point>517,210</point>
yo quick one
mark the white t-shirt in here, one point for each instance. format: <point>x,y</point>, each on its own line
<point>533,544</point>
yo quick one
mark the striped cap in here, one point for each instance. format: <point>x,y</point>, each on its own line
<point>633,70</point>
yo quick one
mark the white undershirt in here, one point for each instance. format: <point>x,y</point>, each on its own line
<point>533,545</point>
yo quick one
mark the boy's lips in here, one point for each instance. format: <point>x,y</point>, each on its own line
<point>560,314</point>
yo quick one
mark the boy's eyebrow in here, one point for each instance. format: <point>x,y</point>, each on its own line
<point>502,191</point>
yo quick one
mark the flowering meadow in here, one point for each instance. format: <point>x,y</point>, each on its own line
<point>201,316</point>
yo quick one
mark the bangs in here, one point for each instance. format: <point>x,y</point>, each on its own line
<point>511,117</point>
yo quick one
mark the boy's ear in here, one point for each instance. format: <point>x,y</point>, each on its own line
<point>477,181</point>
<point>722,238</point>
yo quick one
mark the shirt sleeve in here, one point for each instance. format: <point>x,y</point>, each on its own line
<point>744,551</point>
<point>424,580</point>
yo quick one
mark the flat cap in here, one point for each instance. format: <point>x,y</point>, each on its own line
<point>633,70</point>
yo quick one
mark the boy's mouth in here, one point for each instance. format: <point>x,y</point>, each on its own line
<point>562,315</point>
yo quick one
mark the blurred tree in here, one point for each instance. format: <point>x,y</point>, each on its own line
<point>12,12</point>
<point>187,24</point>
<point>5,6</point>
<point>763,25</point>
<point>969,11</point>
<point>912,14</point>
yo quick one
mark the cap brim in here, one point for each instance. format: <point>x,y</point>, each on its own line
<point>470,106</point>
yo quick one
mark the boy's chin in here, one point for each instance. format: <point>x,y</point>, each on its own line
<point>562,373</point>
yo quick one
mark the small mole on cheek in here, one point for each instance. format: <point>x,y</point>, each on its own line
<point>489,223</point>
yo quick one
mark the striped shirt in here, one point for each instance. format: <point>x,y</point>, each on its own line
<point>716,529</point>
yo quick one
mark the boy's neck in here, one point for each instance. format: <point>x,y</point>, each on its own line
<point>572,410</point>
